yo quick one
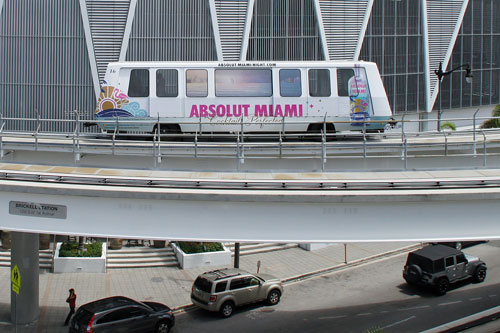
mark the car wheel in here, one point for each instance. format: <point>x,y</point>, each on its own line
<point>274,297</point>
<point>442,286</point>
<point>227,309</point>
<point>480,274</point>
<point>162,327</point>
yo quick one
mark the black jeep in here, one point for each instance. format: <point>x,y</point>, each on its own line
<point>437,266</point>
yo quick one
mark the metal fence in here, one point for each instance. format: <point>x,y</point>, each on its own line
<point>400,141</point>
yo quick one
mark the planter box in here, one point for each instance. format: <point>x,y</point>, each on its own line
<point>79,265</point>
<point>314,246</point>
<point>187,261</point>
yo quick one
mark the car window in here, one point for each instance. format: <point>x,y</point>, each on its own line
<point>121,314</point>
<point>220,286</point>
<point>438,265</point>
<point>203,284</point>
<point>240,283</point>
<point>450,261</point>
<point>461,258</point>
<point>254,281</point>
<point>83,315</point>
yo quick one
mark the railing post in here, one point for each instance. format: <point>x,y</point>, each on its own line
<point>37,129</point>
<point>196,145</point>
<point>484,148</point>
<point>1,134</point>
<point>77,132</point>
<point>403,136</point>
<point>364,138</point>
<point>323,150</point>
<point>474,133</point>
<point>238,155</point>
<point>281,147</point>
<point>158,133</point>
<point>445,143</point>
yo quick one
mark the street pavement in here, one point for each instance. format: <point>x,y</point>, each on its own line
<point>172,285</point>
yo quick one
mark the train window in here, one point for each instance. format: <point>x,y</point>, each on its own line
<point>290,85</point>
<point>167,84</point>
<point>139,83</point>
<point>343,77</point>
<point>243,83</point>
<point>196,83</point>
<point>319,83</point>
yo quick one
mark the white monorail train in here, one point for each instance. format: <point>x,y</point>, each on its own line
<point>249,96</point>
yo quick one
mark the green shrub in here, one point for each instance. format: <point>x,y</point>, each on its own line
<point>197,247</point>
<point>493,123</point>
<point>449,125</point>
<point>70,249</point>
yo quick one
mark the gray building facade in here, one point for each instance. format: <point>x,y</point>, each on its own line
<point>53,53</point>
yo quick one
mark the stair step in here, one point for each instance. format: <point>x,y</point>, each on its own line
<point>140,255</point>
<point>141,250</point>
<point>139,260</point>
<point>142,265</point>
<point>262,248</point>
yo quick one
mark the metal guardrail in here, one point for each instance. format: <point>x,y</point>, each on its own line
<point>252,184</point>
<point>398,142</point>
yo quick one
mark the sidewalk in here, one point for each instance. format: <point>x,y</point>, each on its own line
<point>172,286</point>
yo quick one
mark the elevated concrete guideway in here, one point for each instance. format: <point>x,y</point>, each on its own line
<point>264,207</point>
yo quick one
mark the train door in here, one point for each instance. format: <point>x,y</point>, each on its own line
<point>165,101</point>
<point>289,97</point>
<point>319,101</point>
<point>138,93</point>
<point>354,100</point>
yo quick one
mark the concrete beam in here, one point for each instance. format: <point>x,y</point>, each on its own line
<point>251,215</point>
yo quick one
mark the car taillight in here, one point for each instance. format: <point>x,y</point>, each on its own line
<point>213,298</point>
<point>89,326</point>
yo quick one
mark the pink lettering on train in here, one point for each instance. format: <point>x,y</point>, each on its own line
<point>238,110</point>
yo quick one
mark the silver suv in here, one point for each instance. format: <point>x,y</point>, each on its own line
<point>438,266</point>
<point>223,290</point>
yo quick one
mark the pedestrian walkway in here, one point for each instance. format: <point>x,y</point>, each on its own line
<point>172,286</point>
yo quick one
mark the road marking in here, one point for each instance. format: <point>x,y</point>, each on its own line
<point>449,303</point>
<point>415,308</point>
<point>492,295</point>
<point>398,322</point>
<point>475,299</point>
<point>364,314</point>
<point>332,317</point>
<point>5,323</point>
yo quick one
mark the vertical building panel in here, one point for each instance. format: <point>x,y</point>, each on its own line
<point>231,19</point>
<point>173,30</point>
<point>343,23</point>
<point>107,20</point>
<point>444,19</point>
<point>44,64</point>
<point>284,30</point>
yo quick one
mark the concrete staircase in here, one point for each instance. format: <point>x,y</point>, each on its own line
<point>45,258</point>
<point>141,257</point>
<point>254,248</point>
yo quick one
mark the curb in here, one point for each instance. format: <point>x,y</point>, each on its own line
<point>353,263</point>
<point>308,275</point>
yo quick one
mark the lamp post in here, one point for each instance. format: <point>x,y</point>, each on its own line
<point>440,74</point>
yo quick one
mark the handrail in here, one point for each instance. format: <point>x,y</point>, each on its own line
<point>474,131</point>
<point>253,184</point>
